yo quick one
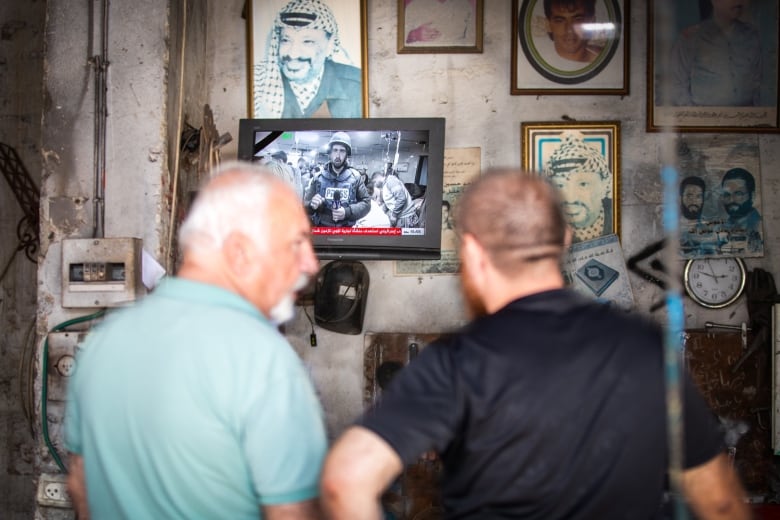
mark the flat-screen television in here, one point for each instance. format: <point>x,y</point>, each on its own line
<point>372,187</point>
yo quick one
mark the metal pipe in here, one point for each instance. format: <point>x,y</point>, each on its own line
<point>711,325</point>
<point>100,65</point>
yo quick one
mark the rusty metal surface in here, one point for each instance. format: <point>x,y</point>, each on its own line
<point>27,195</point>
<point>415,495</point>
<point>740,394</point>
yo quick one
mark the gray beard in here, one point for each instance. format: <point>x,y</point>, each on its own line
<point>284,310</point>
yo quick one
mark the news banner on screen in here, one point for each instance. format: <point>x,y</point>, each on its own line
<point>372,231</point>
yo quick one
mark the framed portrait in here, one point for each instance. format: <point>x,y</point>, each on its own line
<point>307,58</point>
<point>570,47</point>
<point>700,80</point>
<point>440,26</point>
<point>582,160</point>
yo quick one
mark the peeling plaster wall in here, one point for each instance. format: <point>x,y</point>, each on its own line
<point>137,149</point>
<point>21,70</point>
<point>472,92</point>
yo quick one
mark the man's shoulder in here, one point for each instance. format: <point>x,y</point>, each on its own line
<point>352,172</point>
<point>744,28</point>
<point>344,71</point>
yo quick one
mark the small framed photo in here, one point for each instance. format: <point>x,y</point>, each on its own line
<point>582,160</point>
<point>307,58</point>
<point>570,47</point>
<point>712,66</point>
<point>440,26</point>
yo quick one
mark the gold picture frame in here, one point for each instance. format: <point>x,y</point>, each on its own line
<point>342,91</point>
<point>567,153</point>
<point>432,26</point>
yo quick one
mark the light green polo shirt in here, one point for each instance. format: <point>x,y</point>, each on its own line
<point>190,404</point>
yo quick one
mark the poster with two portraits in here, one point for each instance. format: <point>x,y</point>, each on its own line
<point>582,48</point>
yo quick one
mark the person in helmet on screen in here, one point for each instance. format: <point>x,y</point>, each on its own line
<point>338,197</point>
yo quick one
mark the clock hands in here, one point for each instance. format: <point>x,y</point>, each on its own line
<point>716,276</point>
<point>713,275</point>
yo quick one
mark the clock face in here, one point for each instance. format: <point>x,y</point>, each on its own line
<point>714,282</point>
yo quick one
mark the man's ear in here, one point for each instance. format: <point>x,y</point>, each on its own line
<point>239,254</point>
<point>473,253</point>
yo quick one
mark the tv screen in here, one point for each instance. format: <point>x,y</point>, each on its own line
<point>371,187</point>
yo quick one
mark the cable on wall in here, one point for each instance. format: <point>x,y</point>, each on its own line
<point>45,383</point>
<point>26,376</point>
<point>100,65</point>
<point>169,256</point>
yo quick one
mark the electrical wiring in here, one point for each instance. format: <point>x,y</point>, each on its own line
<point>169,253</point>
<point>313,335</point>
<point>26,377</point>
<point>45,386</point>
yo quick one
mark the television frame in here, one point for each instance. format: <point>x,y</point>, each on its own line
<point>377,246</point>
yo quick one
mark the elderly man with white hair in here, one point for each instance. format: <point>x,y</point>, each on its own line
<point>306,71</point>
<point>191,404</point>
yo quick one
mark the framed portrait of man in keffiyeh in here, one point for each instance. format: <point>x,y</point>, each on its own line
<point>307,58</point>
<point>582,160</point>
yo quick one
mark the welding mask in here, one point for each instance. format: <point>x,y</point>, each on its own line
<point>340,295</point>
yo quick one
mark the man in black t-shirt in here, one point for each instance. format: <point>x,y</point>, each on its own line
<point>547,406</point>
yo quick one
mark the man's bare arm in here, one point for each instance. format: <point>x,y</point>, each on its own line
<point>77,486</point>
<point>714,491</point>
<point>359,467</point>
<point>307,510</point>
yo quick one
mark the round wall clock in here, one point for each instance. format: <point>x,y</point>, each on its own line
<point>714,282</point>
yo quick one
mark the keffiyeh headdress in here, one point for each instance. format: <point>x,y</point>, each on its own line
<point>573,155</point>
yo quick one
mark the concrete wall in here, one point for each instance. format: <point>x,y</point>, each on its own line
<point>472,92</point>
<point>21,70</point>
<point>136,176</point>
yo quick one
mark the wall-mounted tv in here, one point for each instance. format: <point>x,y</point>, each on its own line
<point>372,187</point>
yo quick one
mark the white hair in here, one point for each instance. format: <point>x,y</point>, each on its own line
<point>223,208</point>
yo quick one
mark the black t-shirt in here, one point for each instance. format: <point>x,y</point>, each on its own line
<point>553,407</point>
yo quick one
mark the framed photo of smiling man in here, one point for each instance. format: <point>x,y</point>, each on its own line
<point>307,58</point>
<point>570,47</point>
<point>583,161</point>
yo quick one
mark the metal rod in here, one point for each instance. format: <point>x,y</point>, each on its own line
<point>100,65</point>
<point>711,325</point>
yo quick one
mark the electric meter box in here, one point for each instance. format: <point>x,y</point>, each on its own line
<point>101,272</point>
